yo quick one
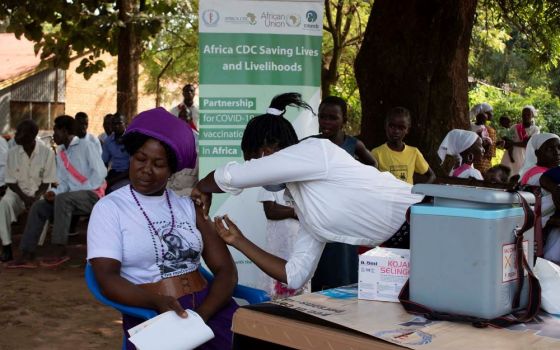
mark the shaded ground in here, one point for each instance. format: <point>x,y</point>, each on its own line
<point>52,308</point>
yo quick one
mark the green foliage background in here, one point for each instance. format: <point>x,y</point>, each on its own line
<point>510,104</point>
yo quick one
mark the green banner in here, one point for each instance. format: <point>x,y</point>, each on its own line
<point>251,51</point>
<point>260,59</point>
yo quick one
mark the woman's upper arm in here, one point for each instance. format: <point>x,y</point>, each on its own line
<point>104,269</point>
<point>215,252</point>
<point>104,236</point>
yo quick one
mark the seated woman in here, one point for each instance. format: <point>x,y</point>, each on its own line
<point>466,148</point>
<point>541,160</point>
<point>145,242</point>
<point>541,155</point>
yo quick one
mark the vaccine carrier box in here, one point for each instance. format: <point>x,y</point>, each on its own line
<point>382,273</point>
<point>462,248</point>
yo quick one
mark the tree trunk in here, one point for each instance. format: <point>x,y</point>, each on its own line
<point>415,55</point>
<point>128,61</point>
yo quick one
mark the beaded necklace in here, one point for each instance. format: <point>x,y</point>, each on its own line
<point>153,230</point>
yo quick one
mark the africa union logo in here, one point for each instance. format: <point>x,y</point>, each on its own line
<point>251,18</point>
<point>293,20</point>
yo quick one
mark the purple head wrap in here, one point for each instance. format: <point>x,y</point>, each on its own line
<point>165,127</point>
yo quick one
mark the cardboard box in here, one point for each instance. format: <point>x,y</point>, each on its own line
<point>382,272</point>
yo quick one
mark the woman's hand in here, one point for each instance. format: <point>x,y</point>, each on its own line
<point>203,200</point>
<point>164,303</point>
<point>227,230</point>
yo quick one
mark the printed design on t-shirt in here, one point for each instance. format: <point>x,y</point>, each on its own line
<point>399,171</point>
<point>181,248</point>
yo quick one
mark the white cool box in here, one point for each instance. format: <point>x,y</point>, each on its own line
<point>462,253</point>
<point>382,273</point>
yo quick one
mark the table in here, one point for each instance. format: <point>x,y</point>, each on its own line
<point>337,319</point>
<point>263,325</point>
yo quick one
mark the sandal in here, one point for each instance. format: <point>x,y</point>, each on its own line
<point>54,261</point>
<point>22,264</point>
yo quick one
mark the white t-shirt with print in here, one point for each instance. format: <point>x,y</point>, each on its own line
<point>118,230</point>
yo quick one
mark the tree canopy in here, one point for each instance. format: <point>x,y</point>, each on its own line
<point>64,29</point>
<point>172,57</point>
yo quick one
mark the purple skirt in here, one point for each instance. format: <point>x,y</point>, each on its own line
<point>220,323</point>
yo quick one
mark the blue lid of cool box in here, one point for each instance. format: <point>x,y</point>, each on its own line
<point>458,196</point>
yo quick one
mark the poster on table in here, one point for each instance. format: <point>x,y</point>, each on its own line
<point>251,51</point>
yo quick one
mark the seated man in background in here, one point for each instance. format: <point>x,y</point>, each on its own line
<point>107,128</point>
<point>82,123</point>
<point>29,172</point>
<point>115,155</point>
<point>4,147</point>
<point>81,175</point>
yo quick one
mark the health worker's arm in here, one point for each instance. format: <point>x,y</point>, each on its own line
<point>294,272</point>
<point>301,162</point>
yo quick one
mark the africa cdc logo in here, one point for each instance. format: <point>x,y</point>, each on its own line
<point>210,17</point>
<point>311,16</point>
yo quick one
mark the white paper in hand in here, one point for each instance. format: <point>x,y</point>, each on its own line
<point>171,332</point>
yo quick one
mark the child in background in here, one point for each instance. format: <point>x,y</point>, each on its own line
<point>282,227</point>
<point>483,113</point>
<point>498,174</point>
<point>332,118</point>
<point>506,136</point>
<point>480,128</point>
<point>405,162</point>
<point>465,147</point>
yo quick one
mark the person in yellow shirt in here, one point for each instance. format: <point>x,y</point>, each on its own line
<point>404,162</point>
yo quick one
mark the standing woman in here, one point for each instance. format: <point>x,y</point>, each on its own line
<point>337,199</point>
<point>521,133</point>
<point>145,242</point>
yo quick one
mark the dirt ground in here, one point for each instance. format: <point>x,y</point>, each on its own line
<point>52,308</point>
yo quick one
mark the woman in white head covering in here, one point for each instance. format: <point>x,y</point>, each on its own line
<point>521,133</point>
<point>480,108</point>
<point>466,147</point>
<point>541,155</point>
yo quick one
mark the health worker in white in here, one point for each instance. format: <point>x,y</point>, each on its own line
<point>337,199</point>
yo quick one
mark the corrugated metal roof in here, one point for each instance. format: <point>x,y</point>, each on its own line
<point>17,59</point>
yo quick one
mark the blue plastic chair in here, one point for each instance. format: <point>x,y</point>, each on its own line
<point>251,295</point>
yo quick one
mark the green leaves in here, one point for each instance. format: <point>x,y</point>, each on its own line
<point>171,58</point>
<point>63,29</point>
